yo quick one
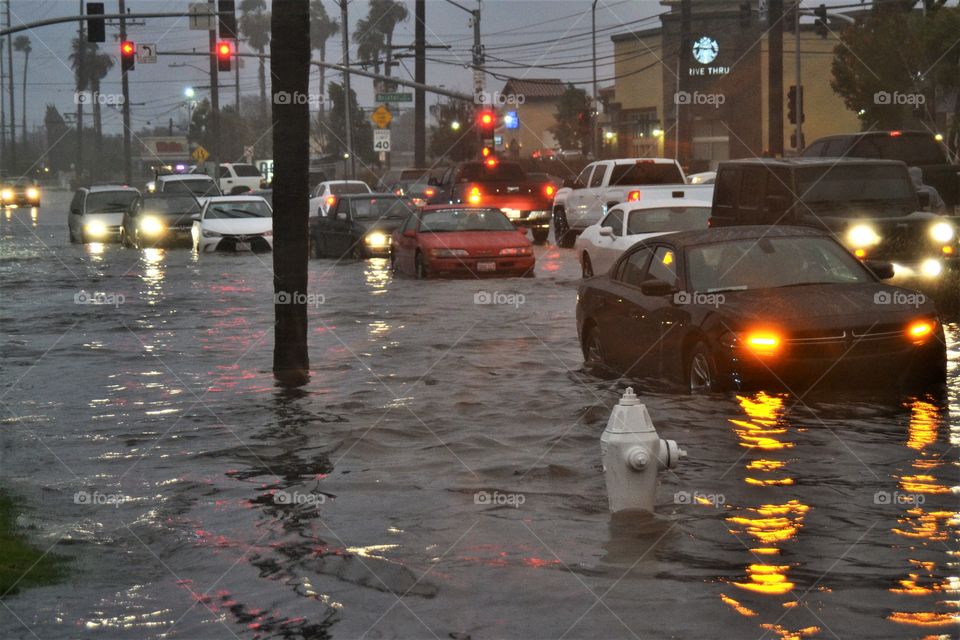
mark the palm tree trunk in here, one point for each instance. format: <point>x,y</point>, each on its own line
<point>263,87</point>
<point>290,73</point>
<point>23,97</point>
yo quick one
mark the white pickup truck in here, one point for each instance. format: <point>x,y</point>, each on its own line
<point>606,183</point>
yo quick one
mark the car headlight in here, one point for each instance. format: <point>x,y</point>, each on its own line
<point>450,253</point>
<point>862,236</point>
<point>33,193</point>
<point>151,226</point>
<point>95,229</point>
<point>376,239</point>
<point>516,251</point>
<point>210,234</point>
<point>942,232</point>
<point>7,194</point>
<point>931,268</point>
<point>151,186</point>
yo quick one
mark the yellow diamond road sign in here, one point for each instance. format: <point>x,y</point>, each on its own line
<point>381,117</point>
<point>200,154</point>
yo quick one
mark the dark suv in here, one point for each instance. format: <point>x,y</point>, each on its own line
<point>870,206</point>
<point>358,225</point>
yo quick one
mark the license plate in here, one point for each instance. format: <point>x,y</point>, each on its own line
<point>511,213</point>
<point>243,246</point>
<point>486,266</point>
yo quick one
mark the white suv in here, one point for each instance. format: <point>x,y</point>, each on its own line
<point>238,177</point>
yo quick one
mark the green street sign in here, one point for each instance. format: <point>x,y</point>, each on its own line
<point>394,97</point>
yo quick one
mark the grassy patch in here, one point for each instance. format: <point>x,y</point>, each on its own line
<point>22,565</point>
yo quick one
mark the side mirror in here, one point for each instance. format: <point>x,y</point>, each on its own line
<point>341,215</point>
<point>656,288</point>
<point>409,233</point>
<point>924,197</point>
<point>880,268</point>
<point>606,231</point>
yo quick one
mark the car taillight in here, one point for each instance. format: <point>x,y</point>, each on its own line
<point>633,196</point>
<point>492,162</point>
<point>474,197</point>
<point>549,190</point>
<point>429,192</point>
<point>896,134</point>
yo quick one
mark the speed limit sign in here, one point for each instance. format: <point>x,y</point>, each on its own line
<point>381,139</point>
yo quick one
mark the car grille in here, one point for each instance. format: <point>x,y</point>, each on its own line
<point>229,242</point>
<point>873,340</point>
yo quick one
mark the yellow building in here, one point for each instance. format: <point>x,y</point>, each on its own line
<point>534,103</point>
<point>724,100</point>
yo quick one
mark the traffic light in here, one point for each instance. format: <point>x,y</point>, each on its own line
<point>224,52</point>
<point>820,24</point>
<point>96,29</point>
<point>745,15</point>
<point>795,105</point>
<point>128,56</point>
<point>228,19</point>
<point>486,125</point>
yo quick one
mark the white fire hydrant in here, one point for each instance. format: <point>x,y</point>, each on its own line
<point>632,455</point>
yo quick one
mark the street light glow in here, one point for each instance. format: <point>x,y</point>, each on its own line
<point>189,92</point>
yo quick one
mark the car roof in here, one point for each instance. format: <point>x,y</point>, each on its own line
<point>374,194</point>
<point>343,182</point>
<point>806,162</point>
<point>747,232</point>
<point>110,187</point>
<point>243,198</point>
<point>444,207</point>
<point>184,176</point>
<point>641,161</point>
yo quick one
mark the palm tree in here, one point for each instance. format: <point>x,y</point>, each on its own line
<point>22,44</point>
<point>374,33</point>
<point>370,44</point>
<point>322,28</point>
<point>255,27</point>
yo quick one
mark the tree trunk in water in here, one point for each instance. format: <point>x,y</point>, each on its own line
<point>263,85</point>
<point>290,72</point>
<point>26,61</point>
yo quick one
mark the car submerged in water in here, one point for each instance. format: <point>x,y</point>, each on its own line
<point>757,306</point>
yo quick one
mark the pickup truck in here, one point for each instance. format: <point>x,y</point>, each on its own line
<point>916,148</point>
<point>503,185</point>
<point>870,206</point>
<point>605,183</point>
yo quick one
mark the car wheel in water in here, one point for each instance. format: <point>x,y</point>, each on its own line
<point>593,349</point>
<point>124,239</point>
<point>701,374</point>
<point>540,235</point>
<point>421,267</point>
<point>561,232</point>
<point>586,267</point>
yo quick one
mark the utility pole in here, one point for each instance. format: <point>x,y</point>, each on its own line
<point>236,75</point>
<point>214,94</point>
<point>420,96</point>
<point>3,118</point>
<point>596,102</point>
<point>478,58</point>
<point>81,86</point>
<point>799,81</point>
<point>345,48</point>
<point>775,79</point>
<point>125,88</point>
<point>13,117</point>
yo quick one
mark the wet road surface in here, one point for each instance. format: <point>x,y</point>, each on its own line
<point>439,477</point>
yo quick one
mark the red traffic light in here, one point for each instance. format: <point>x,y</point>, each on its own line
<point>127,48</point>
<point>128,56</point>
<point>224,49</point>
<point>224,52</point>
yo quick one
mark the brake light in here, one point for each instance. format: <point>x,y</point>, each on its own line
<point>492,162</point>
<point>549,190</point>
<point>429,192</point>
<point>763,343</point>
<point>633,196</point>
<point>896,134</point>
<point>486,151</point>
<point>474,197</point>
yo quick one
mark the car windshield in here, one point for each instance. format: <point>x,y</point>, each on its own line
<point>840,184</point>
<point>238,209</point>
<point>667,219</point>
<point>109,201</point>
<point>767,263</point>
<point>346,188</point>
<point>193,187</point>
<point>382,207</point>
<point>646,173</point>
<point>170,206</point>
<point>465,220</point>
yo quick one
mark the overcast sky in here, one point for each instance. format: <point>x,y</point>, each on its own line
<point>555,34</point>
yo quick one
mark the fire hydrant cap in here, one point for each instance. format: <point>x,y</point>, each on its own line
<point>629,398</point>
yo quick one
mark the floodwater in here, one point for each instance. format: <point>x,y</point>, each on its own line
<point>439,477</point>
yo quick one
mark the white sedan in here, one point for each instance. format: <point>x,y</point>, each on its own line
<point>600,244</point>
<point>325,194</point>
<point>233,223</point>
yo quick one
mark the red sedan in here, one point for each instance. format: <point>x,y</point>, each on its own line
<point>455,240</point>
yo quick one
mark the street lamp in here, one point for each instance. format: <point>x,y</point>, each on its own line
<point>455,125</point>
<point>189,92</point>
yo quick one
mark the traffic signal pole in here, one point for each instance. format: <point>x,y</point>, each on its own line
<point>775,79</point>
<point>798,80</point>
<point>214,97</point>
<point>125,88</point>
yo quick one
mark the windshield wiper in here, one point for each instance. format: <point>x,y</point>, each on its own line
<point>742,287</point>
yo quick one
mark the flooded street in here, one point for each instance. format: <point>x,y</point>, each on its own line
<point>440,475</point>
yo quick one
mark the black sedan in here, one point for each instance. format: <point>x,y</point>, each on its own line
<point>159,219</point>
<point>752,306</point>
<point>359,226</point>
